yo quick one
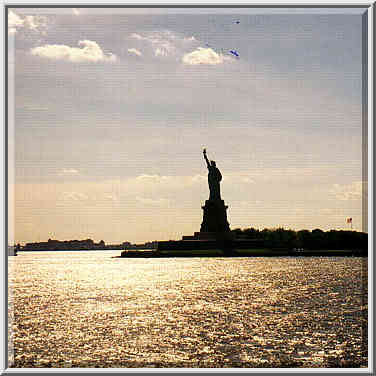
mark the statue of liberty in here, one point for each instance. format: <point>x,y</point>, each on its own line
<point>214,178</point>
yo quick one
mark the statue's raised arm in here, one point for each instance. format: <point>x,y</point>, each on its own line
<point>206,158</point>
<point>214,178</point>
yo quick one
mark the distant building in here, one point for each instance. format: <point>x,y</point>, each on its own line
<point>87,244</point>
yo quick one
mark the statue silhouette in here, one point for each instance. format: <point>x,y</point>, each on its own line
<point>214,178</point>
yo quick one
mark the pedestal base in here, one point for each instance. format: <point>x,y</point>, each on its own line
<point>215,217</point>
<point>227,245</point>
<point>214,233</point>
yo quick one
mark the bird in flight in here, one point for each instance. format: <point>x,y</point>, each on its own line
<point>234,53</point>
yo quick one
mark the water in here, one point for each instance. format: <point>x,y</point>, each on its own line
<point>88,309</point>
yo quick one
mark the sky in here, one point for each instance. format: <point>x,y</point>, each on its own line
<point>110,109</point>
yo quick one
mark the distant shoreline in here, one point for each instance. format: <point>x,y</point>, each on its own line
<point>66,250</point>
<point>241,253</point>
<point>262,252</point>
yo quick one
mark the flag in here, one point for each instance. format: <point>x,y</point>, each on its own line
<point>348,220</point>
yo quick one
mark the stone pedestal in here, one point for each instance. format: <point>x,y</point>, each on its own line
<point>214,233</point>
<point>215,217</point>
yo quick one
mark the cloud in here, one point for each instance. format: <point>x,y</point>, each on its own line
<point>199,178</point>
<point>150,178</point>
<point>69,171</point>
<point>14,22</point>
<point>153,184</point>
<point>164,50</point>
<point>165,43</point>
<point>34,23</point>
<point>161,202</point>
<point>353,191</point>
<point>134,51</point>
<point>156,186</point>
<point>249,204</point>
<point>161,42</point>
<point>204,56</point>
<point>190,39</point>
<point>76,11</point>
<point>110,197</point>
<point>90,52</point>
<point>248,180</point>
<point>137,36</point>
<point>171,183</point>
<point>73,196</point>
<point>241,177</point>
<point>36,107</point>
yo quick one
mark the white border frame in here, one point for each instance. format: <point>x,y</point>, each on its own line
<point>268,4</point>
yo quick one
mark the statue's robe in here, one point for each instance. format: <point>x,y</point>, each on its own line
<point>214,178</point>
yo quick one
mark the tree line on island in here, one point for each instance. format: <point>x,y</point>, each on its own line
<point>305,239</point>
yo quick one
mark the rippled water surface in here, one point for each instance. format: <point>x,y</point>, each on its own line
<point>89,309</point>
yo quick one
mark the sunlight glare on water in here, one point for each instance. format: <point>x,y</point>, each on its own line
<point>89,309</point>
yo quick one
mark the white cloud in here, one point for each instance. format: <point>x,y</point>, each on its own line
<point>156,186</point>
<point>161,202</point>
<point>90,52</point>
<point>347,192</point>
<point>137,36</point>
<point>134,51</point>
<point>204,56</point>
<point>73,196</point>
<point>248,180</point>
<point>248,204</point>
<point>162,51</point>
<point>165,43</point>
<point>35,22</point>
<point>241,177</point>
<point>36,107</point>
<point>171,183</point>
<point>69,171</point>
<point>164,184</point>
<point>76,11</point>
<point>150,177</point>
<point>199,178</point>
<point>110,197</point>
<point>190,39</point>
<point>16,22</point>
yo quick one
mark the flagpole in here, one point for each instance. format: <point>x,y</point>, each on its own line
<point>349,220</point>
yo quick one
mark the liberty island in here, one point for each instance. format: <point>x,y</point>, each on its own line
<point>215,230</point>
